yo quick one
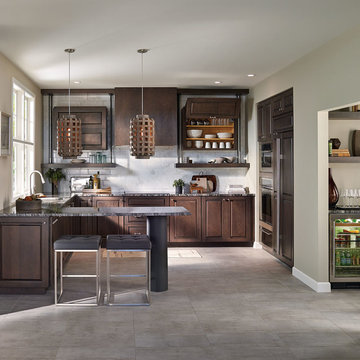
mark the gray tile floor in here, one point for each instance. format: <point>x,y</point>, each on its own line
<point>232,303</point>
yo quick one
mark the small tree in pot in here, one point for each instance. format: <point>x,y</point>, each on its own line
<point>178,184</point>
<point>54,176</point>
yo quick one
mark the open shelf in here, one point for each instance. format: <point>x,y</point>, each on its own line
<point>344,159</point>
<point>212,139</point>
<point>203,165</point>
<point>210,126</point>
<point>82,165</point>
<point>344,115</point>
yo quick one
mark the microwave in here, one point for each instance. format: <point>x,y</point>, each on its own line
<point>266,157</point>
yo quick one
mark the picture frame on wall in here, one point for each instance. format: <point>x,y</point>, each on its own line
<point>5,127</point>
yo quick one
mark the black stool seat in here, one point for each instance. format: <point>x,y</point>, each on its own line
<point>78,242</point>
<point>128,242</point>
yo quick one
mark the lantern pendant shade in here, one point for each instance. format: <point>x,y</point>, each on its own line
<point>142,137</point>
<point>69,136</point>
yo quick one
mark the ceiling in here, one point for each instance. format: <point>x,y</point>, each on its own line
<point>193,42</point>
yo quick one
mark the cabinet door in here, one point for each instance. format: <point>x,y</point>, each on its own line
<point>286,193</point>
<point>199,108</point>
<point>87,223</point>
<point>186,228</point>
<point>264,120</point>
<point>260,115</point>
<point>238,219</point>
<point>212,215</point>
<point>24,253</point>
<point>282,103</point>
<point>159,103</point>
<point>108,224</point>
<point>137,225</point>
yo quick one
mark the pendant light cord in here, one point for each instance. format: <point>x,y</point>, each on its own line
<point>142,84</point>
<point>69,83</point>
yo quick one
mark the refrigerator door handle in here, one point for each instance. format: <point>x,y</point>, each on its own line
<point>278,172</point>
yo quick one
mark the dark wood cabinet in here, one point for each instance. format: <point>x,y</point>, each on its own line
<point>159,103</point>
<point>24,254</point>
<point>282,103</point>
<point>284,196</point>
<point>106,225</point>
<point>264,121</point>
<point>137,225</point>
<point>93,125</point>
<point>87,224</point>
<point>227,219</point>
<point>186,228</point>
<point>200,108</point>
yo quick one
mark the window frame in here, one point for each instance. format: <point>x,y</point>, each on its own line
<point>27,136</point>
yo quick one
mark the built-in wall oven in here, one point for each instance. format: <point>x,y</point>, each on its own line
<point>266,156</point>
<point>266,210</point>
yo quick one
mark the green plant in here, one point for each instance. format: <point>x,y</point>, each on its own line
<point>54,175</point>
<point>178,182</point>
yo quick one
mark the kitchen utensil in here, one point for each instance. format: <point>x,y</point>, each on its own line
<point>210,136</point>
<point>77,161</point>
<point>207,145</point>
<point>199,144</point>
<point>194,133</point>
<point>228,145</point>
<point>224,135</point>
<point>214,145</point>
<point>222,145</point>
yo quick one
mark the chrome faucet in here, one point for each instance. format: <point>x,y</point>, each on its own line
<point>32,188</point>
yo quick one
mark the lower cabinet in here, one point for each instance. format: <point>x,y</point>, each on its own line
<point>227,219</point>
<point>24,254</point>
<point>213,219</point>
<point>137,225</point>
<point>86,223</point>
<point>186,228</point>
<point>106,225</point>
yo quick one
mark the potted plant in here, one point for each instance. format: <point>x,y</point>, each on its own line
<point>54,176</point>
<point>178,184</point>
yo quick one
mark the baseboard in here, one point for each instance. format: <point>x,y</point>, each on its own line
<point>257,245</point>
<point>319,287</point>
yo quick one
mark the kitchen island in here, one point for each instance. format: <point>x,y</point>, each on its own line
<point>26,238</point>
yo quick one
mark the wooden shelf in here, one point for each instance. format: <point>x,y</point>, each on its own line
<point>82,165</point>
<point>210,126</point>
<point>344,159</point>
<point>212,139</point>
<point>344,115</point>
<point>203,165</point>
<point>211,149</point>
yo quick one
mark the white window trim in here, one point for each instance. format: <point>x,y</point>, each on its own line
<point>25,89</point>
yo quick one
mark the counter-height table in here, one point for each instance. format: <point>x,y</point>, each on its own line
<point>25,241</point>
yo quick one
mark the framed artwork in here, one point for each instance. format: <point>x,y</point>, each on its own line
<point>5,134</point>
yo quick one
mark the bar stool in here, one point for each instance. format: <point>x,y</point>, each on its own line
<point>128,243</point>
<point>76,243</point>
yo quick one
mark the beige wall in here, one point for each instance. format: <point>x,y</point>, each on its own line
<point>324,79</point>
<point>8,71</point>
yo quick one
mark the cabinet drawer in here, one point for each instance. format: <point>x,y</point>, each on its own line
<point>266,237</point>
<point>143,201</point>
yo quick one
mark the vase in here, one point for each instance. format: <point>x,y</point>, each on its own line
<point>178,190</point>
<point>333,192</point>
<point>54,189</point>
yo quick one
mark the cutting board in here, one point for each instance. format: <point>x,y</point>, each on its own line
<point>211,178</point>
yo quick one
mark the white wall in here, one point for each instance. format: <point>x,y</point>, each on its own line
<point>324,79</point>
<point>8,71</point>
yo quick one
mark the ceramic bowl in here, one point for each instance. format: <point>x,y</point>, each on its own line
<point>224,135</point>
<point>199,144</point>
<point>210,136</point>
<point>194,133</point>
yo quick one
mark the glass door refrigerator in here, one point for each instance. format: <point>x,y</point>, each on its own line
<point>345,247</point>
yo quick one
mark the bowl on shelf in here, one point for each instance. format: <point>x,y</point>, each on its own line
<point>194,133</point>
<point>210,136</point>
<point>224,135</point>
<point>199,144</point>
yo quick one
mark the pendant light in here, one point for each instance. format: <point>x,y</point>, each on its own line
<point>69,130</point>
<point>142,127</point>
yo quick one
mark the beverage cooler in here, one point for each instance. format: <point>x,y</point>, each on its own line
<point>345,247</point>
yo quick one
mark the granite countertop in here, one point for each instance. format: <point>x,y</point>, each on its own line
<point>354,211</point>
<point>149,194</point>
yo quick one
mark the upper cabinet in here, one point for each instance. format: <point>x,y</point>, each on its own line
<point>282,103</point>
<point>264,121</point>
<point>93,125</point>
<point>199,108</point>
<point>159,103</point>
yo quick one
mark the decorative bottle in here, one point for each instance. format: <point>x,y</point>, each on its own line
<point>333,192</point>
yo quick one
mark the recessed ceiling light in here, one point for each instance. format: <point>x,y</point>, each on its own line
<point>217,82</point>
<point>77,82</point>
<point>251,75</point>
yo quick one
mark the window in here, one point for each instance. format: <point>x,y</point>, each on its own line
<point>22,139</point>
